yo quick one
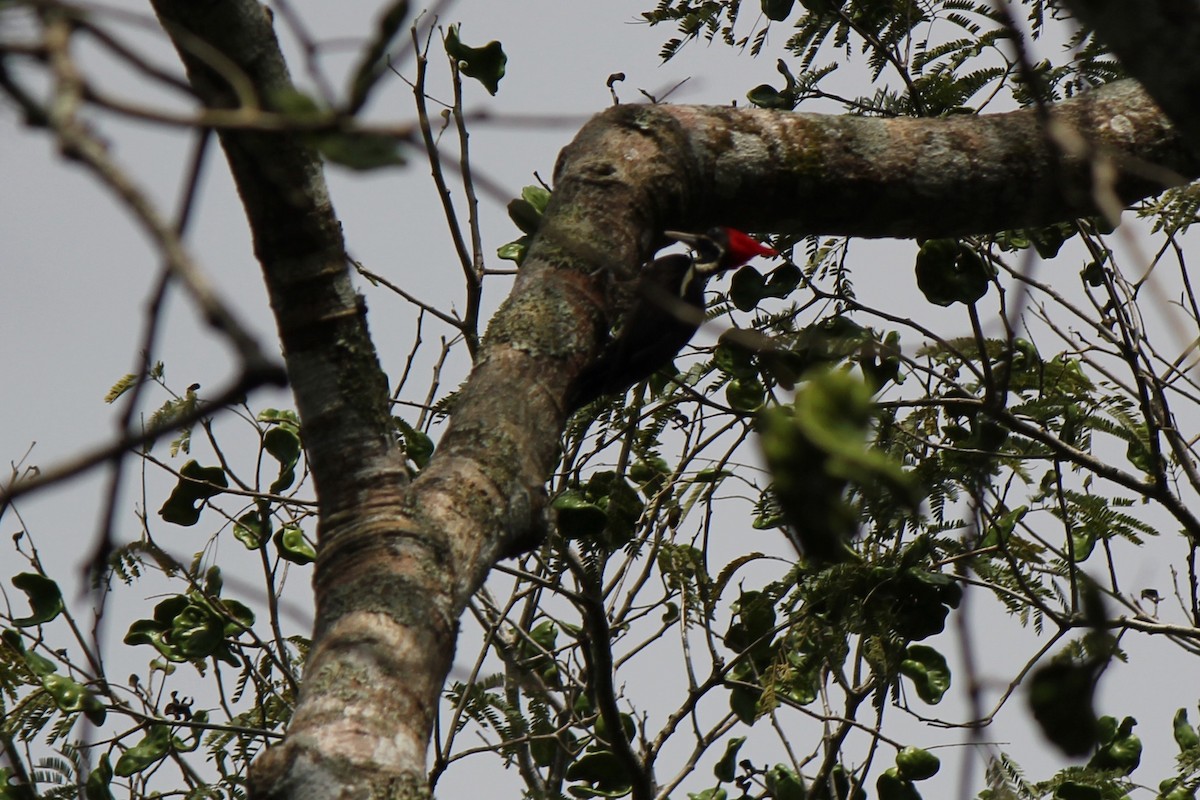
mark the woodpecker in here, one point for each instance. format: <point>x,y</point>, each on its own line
<point>667,312</point>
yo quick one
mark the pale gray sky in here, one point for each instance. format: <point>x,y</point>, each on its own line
<point>77,275</point>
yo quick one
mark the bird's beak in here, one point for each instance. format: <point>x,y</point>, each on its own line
<point>690,239</point>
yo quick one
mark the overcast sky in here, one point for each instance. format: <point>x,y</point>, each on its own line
<point>77,273</point>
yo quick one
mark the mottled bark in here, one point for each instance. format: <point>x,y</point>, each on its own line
<point>381,584</point>
<point>810,173</point>
<point>399,561</point>
<point>1158,43</point>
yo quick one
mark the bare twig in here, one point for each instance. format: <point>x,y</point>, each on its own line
<point>74,467</point>
<point>78,143</point>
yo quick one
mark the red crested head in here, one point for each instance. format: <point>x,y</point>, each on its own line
<point>740,248</point>
<point>721,249</point>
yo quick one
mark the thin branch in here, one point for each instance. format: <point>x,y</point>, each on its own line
<point>80,464</point>
<point>78,143</point>
<point>439,179</point>
<point>432,310</point>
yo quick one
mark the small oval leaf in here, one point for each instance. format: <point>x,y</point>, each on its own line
<point>45,598</point>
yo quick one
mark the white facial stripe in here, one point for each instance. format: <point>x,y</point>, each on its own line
<point>688,277</point>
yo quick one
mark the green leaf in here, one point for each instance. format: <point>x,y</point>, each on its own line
<point>628,728</point>
<point>949,272</point>
<point>99,781</point>
<point>777,10</point>
<point>361,150</point>
<point>746,394</point>
<point>834,413</point>
<point>783,367</point>
<point>711,475</point>
<point>880,361</point>
<point>1093,274</point>
<point>602,772</point>
<point>515,250</point>
<point>1119,750</point>
<point>1060,695</point>
<point>13,789</point>
<point>249,530</point>
<point>1138,450</point>
<point>919,601</point>
<point>767,96</point>
<point>1073,790</point>
<point>749,631</point>
<point>141,631</point>
<point>840,788</point>
<point>891,786</point>
<point>545,634</point>
<point>743,702</point>
<point>650,474</point>
<point>196,484</point>
<point>417,444</point>
<point>197,631</point>
<point>578,517</point>
<point>214,582</point>
<point>534,653</point>
<point>622,507</point>
<point>187,628</point>
<point>928,671</point>
<point>39,665</point>
<point>239,617</point>
<point>285,417</point>
<point>524,215</point>
<point>999,532</point>
<point>749,287</point>
<point>1185,735</point>
<point>1049,240</point>
<point>537,196</point>
<point>45,598</point>
<point>283,443</point>
<point>726,768</point>
<point>302,107</point>
<point>485,64</point>
<point>71,696</point>
<point>917,764</point>
<point>815,450</point>
<point>1083,541</point>
<point>734,360</point>
<point>122,386</point>
<point>526,212</point>
<point>293,547</point>
<point>153,747</point>
<point>1175,789</point>
<point>784,784</point>
<point>549,744</point>
<point>783,280</point>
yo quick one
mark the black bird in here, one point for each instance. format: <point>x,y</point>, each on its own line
<point>667,312</point>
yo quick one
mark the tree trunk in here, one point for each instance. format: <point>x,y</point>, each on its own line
<point>399,561</point>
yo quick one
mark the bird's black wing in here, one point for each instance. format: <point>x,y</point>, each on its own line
<point>664,318</point>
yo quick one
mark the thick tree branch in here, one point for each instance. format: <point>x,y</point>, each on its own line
<point>1158,42</point>
<point>380,584</point>
<point>232,58</point>
<point>635,170</point>
<point>808,173</point>
<point>398,564</point>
